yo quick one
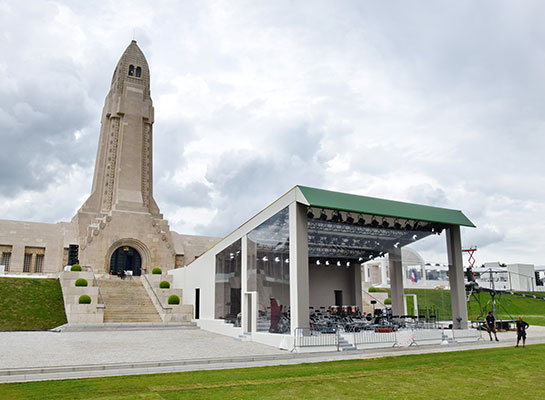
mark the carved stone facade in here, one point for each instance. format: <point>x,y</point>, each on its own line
<point>146,165</point>
<point>120,211</point>
<point>123,176</point>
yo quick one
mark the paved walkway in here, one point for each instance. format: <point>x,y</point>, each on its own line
<point>29,356</point>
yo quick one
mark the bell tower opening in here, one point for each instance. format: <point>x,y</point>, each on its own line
<point>125,258</point>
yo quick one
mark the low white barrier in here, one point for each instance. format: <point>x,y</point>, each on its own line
<point>375,339</point>
<point>467,335</point>
<point>318,340</point>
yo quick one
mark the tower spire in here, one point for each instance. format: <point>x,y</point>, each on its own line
<point>123,171</point>
<point>121,213</point>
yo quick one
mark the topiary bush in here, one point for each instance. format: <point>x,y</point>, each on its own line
<point>164,285</point>
<point>372,289</point>
<point>75,267</point>
<point>81,282</point>
<point>173,299</point>
<point>84,299</point>
<point>156,271</point>
<point>387,300</point>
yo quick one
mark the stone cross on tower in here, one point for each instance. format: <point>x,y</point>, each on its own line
<point>121,213</point>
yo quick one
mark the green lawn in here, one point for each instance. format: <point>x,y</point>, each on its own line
<point>532,310</point>
<point>488,373</point>
<point>30,304</point>
<point>438,302</point>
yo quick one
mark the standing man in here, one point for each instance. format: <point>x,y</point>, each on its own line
<point>521,332</point>
<point>491,325</point>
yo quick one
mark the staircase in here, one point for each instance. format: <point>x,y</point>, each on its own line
<point>344,345</point>
<point>126,300</point>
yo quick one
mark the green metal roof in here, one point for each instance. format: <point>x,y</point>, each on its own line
<point>387,208</point>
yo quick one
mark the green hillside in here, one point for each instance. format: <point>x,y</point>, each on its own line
<point>30,304</point>
<point>437,302</point>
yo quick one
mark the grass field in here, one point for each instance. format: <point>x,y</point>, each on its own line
<point>533,310</point>
<point>488,373</point>
<point>30,304</point>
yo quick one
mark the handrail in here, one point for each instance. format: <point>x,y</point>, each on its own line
<point>369,293</point>
<point>96,284</point>
<point>157,297</point>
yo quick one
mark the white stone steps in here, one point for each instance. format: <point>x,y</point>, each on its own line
<point>127,301</point>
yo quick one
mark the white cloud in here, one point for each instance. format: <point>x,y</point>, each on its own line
<point>414,102</point>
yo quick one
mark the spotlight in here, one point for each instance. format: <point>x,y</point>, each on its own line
<point>277,259</point>
<point>415,237</point>
<point>337,217</point>
<point>397,225</point>
<point>338,263</point>
<point>360,259</point>
<point>265,258</point>
<point>323,215</point>
<point>349,219</point>
<point>310,214</point>
<point>396,245</point>
<point>287,260</point>
<point>374,222</point>
<point>348,263</point>
<point>361,221</point>
<point>428,228</point>
<point>327,263</point>
<point>381,254</point>
<point>317,262</point>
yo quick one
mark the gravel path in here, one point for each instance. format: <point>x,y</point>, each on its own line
<point>47,349</point>
<point>40,349</point>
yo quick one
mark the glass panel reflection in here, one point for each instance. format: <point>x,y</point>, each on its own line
<point>269,274</point>
<point>228,288</point>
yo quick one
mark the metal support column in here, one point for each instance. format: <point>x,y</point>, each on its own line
<point>456,277</point>
<point>396,280</point>
<point>299,290</point>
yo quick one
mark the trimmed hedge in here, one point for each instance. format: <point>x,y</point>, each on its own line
<point>372,289</point>
<point>156,271</point>
<point>75,267</point>
<point>164,285</point>
<point>387,300</point>
<point>84,299</point>
<point>173,299</point>
<point>81,282</point>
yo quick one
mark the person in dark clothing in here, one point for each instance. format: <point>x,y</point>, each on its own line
<point>521,332</point>
<point>491,325</point>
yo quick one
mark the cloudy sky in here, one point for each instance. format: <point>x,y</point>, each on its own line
<point>440,103</point>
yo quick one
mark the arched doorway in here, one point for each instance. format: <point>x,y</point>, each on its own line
<point>125,258</point>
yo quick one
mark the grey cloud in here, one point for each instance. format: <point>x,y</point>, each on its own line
<point>247,183</point>
<point>427,194</point>
<point>446,94</point>
<point>194,194</point>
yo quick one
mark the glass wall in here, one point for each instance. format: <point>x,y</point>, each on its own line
<point>228,283</point>
<point>269,272</point>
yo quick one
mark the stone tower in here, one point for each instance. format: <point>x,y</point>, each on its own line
<point>120,226</point>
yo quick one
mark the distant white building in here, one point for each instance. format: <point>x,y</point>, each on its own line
<point>417,273</point>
